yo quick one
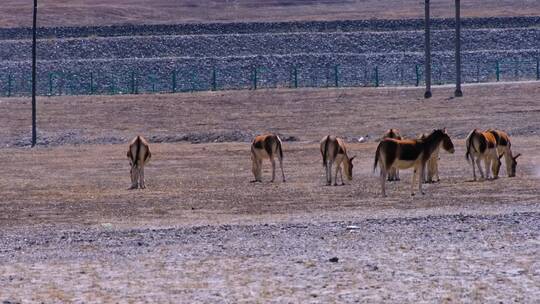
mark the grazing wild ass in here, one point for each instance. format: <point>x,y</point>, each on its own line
<point>334,152</point>
<point>393,174</point>
<point>503,148</point>
<point>139,155</point>
<point>409,153</point>
<point>266,146</point>
<point>483,146</point>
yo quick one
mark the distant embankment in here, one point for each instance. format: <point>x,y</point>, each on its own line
<point>189,57</point>
<point>266,27</point>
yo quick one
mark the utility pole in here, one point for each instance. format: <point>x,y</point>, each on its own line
<point>427,48</point>
<point>458,92</point>
<point>34,132</point>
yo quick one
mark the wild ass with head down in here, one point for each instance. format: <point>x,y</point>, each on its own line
<point>139,155</point>
<point>393,174</point>
<point>409,153</point>
<point>266,147</point>
<point>483,146</point>
<point>334,152</point>
<point>504,148</point>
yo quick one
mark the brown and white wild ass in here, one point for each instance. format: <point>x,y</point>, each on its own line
<point>266,147</point>
<point>483,146</point>
<point>334,152</point>
<point>409,153</point>
<point>393,174</point>
<point>139,155</point>
<point>504,147</point>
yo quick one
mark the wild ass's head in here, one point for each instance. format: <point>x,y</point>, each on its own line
<point>513,165</point>
<point>440,136</point>
<point>392,133</point>
<point>348,167</point>
<point>496,168</point>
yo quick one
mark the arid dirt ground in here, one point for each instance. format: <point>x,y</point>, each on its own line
<point>17,13</point>
<point>70,231</point>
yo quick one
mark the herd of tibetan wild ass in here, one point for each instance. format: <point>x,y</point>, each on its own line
<point>393,153</point>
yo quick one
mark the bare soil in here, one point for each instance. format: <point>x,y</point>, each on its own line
<point>17,13</point>
<point>70,231</point>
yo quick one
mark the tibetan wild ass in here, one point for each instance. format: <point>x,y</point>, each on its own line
<point>409,153</point>
<point>503,147</point>
<point>483,146</point>
<point>266,146</point>
<point>334,152</point>
<point>393,174</point>
<point>139,155</point>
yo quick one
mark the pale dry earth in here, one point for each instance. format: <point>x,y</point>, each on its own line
<point>71,232</point>
<point>18,13</point>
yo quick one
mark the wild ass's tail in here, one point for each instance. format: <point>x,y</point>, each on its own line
<point>377,154</point>
<point>469,144</point>
<point>325,151</point>
<point>280,150</point>
<point>137,150</point>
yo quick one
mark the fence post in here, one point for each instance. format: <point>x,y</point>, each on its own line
<point>153,81</point>
<point>537,68</point>
<point>366,78</point>
<point>133,91</point>
<point>497,70</point>
<point>214,79</point>
<point>91,83</point>
<point>9,85</point>
<point>174,81</point>
<point>60,83</point>
<point>50,84</point>
<point>255,78</point>
<point>417,70</point>
<point>336,75</point>
<point>295,77</point>
<point>376,76</point>
<point>113,86</point>
<point>193,76</point>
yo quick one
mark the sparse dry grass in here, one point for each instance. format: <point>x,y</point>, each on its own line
<point>208,183</point>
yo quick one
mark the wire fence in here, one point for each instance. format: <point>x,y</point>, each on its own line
<point>53,83</point>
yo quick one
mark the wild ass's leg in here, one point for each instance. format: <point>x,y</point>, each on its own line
<point>281,166</point>
<point>141,178</point>
<point>415,171</point>
<point>328,173</point>
<point>134,177</point>
<point>473,168</point>
<point>487,166</point>
<point>341,175</point>
<point>273,162</point>
<point>478,161</point>
<point>421,173</point>
<point>329,180</point>
<point>383,180</point>
<point>337,170</point>
<point>436,171</point>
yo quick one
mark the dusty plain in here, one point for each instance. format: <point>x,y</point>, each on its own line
<point>70,231</point>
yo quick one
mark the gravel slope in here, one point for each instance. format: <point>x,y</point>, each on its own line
<point>443,259</point>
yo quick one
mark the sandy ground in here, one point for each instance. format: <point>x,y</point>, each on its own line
<point>71,232</point>
<point>17,13</point>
